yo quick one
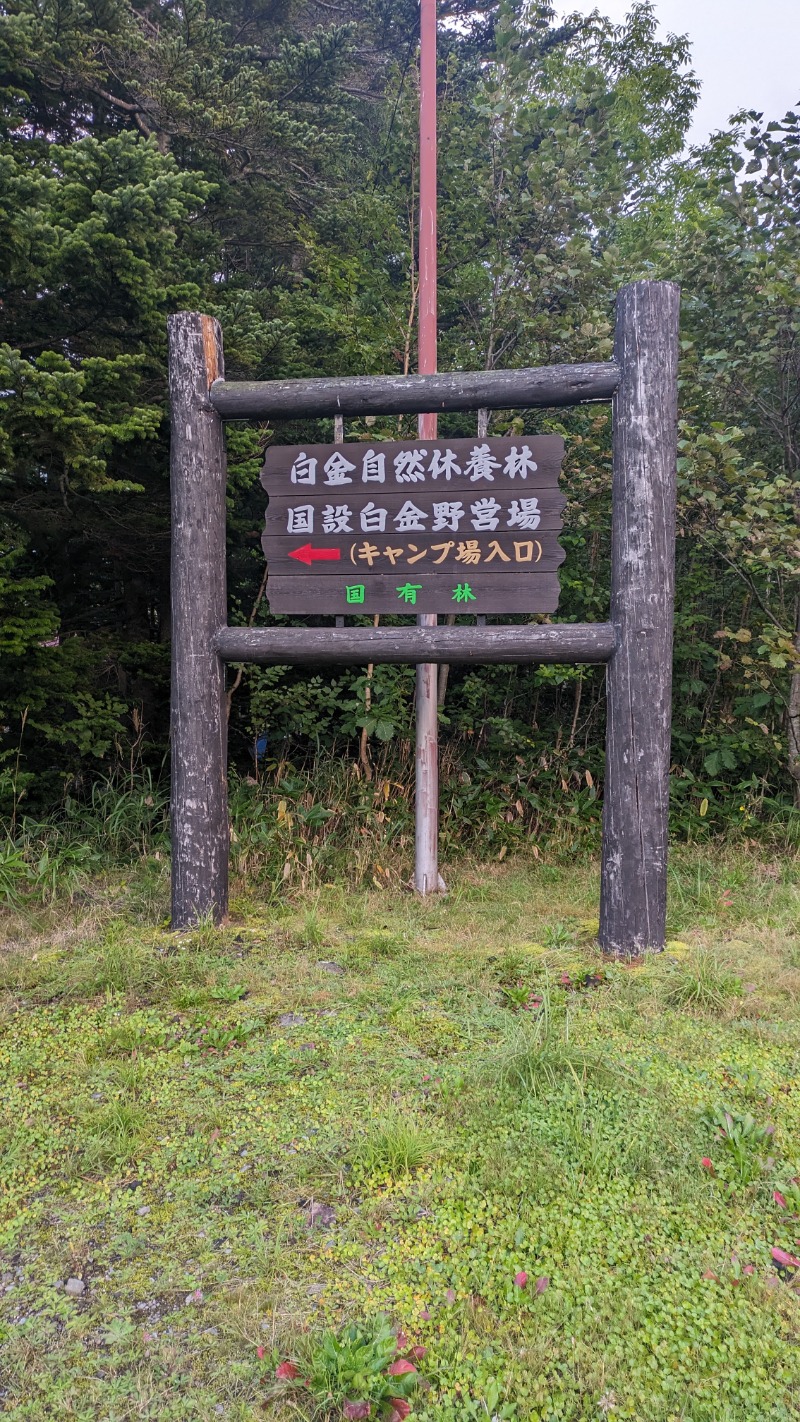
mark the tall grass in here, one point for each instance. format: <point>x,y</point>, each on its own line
<point>122,821</point>
<point>537,1054</point>
<point>703,982</point>
<point>296,829</point>
<point>395,1146</point>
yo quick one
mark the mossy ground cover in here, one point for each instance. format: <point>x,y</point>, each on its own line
<point>355,1104</point>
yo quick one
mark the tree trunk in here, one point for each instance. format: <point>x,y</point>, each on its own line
<point>633,891</point>
<point>199,731</point>
<point>793,716</point>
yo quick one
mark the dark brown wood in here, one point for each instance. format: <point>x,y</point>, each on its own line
<point>551,504</point>
<point>447,554</point>
<point>486,527</point>
<point>550,507</point>
<point>288,646</point>
<point>633,897</point>
<point>199,807</point>
<point>488,592</point>
<point>411,394</point>
<point>449,469</point>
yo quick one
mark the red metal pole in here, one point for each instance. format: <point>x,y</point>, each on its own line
<point>426,326</point>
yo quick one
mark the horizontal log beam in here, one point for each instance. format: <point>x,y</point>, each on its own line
<point>415,394</point>
<point>287,646</point>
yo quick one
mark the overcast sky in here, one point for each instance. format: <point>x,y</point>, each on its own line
<point>746,53</point>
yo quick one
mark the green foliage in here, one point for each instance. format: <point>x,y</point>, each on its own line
<point>703,981</point>
<point>112,1135</point>
<point>55,857</point>
<point>394,1147</point>
<point>26,618</point>
<point>262,166</point>
<point>538,1055</point>
<point>350,1367</point>
<point>215,1038</point>
<point>214,1206</point>
<point>743,1144</point>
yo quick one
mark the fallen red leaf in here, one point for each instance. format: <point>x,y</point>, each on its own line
<point>260,1350</point>
<point>402,1341</point>
<point>707,1163</point>
<point>357,1409</point>
<point>709,1274</point>
<point>400,1409</point>
<point>785,1260</point>
<point>779,1199</point>
<point>399,1367</point>
<point>521,1279</point>
<point>542,1283</point>
<point>417,1352</point>
<point>287,1370</point>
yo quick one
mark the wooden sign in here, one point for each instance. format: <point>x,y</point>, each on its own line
<point>458,525</point>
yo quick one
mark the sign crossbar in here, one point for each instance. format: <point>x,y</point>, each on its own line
<point>573,642</point>
<point>527,388</point>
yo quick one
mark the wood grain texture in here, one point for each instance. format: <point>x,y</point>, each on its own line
<point>507,593</point>
<point>545,451</point>
<point>550,509</point>
<point>391,554</point>
<point>199,807</point>
<point>552,385</point>
<point>639,676</point>
<point>551,502</point>
<point>566,642</point>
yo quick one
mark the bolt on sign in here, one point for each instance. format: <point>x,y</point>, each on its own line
<point>418,526</point>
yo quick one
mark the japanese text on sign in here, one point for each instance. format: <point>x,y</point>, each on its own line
<point>483,514</point>
<point>420,508</point>
<point>412,466</point>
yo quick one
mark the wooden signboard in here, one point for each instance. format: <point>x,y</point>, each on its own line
<point>426,527</point>
<point>459,525</point>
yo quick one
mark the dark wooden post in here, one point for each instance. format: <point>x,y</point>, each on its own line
<point>199,813</point>
<point>633,895</point>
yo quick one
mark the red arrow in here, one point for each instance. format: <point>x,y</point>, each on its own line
<point>310,555</point>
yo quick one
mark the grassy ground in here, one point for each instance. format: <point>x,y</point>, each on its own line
<point>356,1104</point>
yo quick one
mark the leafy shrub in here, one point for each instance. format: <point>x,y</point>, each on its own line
<point>356,1372</point>
<point>742,1143</point>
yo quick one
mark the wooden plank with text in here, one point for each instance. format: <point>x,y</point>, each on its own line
<point>414,526</point>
